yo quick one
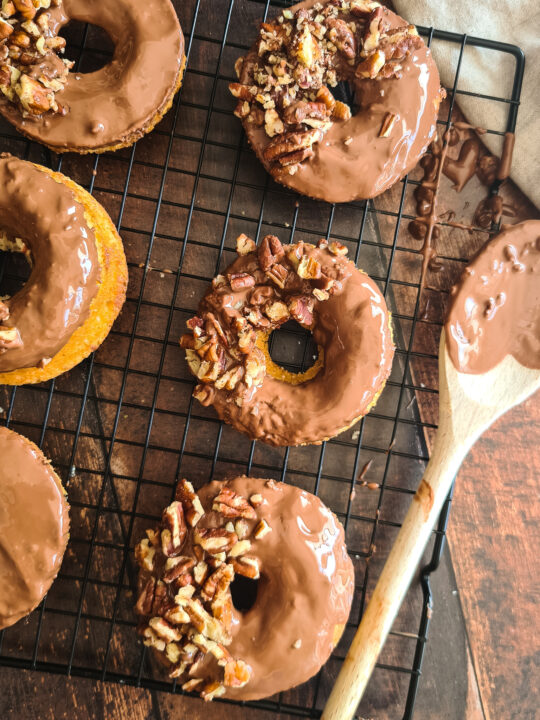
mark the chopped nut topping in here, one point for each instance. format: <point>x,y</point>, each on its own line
<point>387,125</point>
<point>300,56</point>
<point>244,245</point>
<point>32,73</point>
<point>309,269</point>
<point>337,248</point>
<point>262,529</point>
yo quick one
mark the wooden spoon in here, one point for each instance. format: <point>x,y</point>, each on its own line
<point>468,405</point>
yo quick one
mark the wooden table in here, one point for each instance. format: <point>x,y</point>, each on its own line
<point>480,658</point>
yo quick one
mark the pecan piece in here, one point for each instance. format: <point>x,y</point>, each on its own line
<point>309,268</point>
<point>278,274</point>
<point>247,566</point>
<point>240,91</point>
<point>9,338</point>
<point>175,530</point>
<point>371,66</point>
<point>146,598</point>
<point>34,98</point>
<point>301,309</point>
<point>218,582</point>
<point>215,540</point>
<point>300,110</point>
<point>244,245</point>
<point>277,312</point>
<point>291,142</point>
<point>4,311</point>
<point>387,124</point>
<point>193,508</point>
<point>164,630</point>
<point>337,248</point>
<point>237,673</point>
<point>144,555</point>
<point>177,566</point>
<point>241,281</point>
<point>295,158</point>
<point>342,36</point>
<point>270,251</point>
<point>26,8</point>
<point>5,29</point>
<point>232,505</point>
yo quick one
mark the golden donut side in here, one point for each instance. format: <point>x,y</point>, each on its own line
<point>105,306</point>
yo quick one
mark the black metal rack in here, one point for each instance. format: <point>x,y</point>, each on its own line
<point>122,426</point>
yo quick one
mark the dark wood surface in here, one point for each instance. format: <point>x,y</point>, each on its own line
<point>479,661</point>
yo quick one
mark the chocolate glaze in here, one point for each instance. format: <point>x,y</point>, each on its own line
<point>352,328</point>
<point>117,102</point>
<point>462,169</point>
<point>34,524</point>
<point>495,311</point>
<point>56,299</point>
<point>369,164</point>
<point>305,591</point>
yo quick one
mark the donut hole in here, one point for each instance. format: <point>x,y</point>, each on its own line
<point>15,268</point>
<point>292,348</point>
<point>89,46</point>
<point>344,92</point>
<point>244,593</point>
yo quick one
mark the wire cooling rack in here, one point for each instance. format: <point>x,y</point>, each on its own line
<point>122,426</point>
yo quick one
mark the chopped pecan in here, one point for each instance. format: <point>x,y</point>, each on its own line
<point>241,281</point>
<point>212,690</point>
<point>218,582</point>
<point>34,98</point>
<point>255,368</point>
<point>262,529</point>
<point>247,566</point>
<point>26,8</point>
<point>193,508</point>
<point>173,520</point>
<point>277,312</point>
<point>372,33</point>
<point>144,555</point>
<point>341,111</point>
<point>300,110</point>
<point>240,91</point>
<point>5,29</point>
<point>295,158</point>
<point>177,566</point>
<point>232,505</point>
<point>370,67</point>
<point>325,96</point>
<point>337,248</point>
<point>309,268</point>
<point>215,540</point>
<point>9,338</point>
<point>291,142</point>
<point>270,251</point>
<point>340,33</point>
<point>4,311</point>
<point>301,309</point>
<point>204,394</point>
<point>164,630</point>
<point>237,673</point>
<point>146,598</point>
<point>245,245</point>
<point>230,379</point>
<point>278,274</point>
<point>387,124</point>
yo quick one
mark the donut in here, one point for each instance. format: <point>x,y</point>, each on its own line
<point>318,287</point>
<point>244,588</point>
<point>495,307</point>
<point>305,137</point>
<point>34,526</point>
<point>99,111</point>
<point>78,281</point>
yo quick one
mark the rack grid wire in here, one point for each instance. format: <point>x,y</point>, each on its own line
<point>122,426</point>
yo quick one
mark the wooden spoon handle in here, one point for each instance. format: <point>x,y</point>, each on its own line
<point>395,579</point>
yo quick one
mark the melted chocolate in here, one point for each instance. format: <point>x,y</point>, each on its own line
<point>352,161</point>
<point>34,525</point>
<point>305,591</point>
<point>495,311</point>
<point>56,299</point>
<point>353,329</point>
<point>116,103</point>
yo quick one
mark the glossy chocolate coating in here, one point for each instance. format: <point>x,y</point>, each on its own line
<point>495,310</point>
<point>34,524</point>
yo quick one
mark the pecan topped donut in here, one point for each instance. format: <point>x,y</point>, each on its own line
<point>213,630</point>
<point>93,112</point>
<point>227,346</point>
<point>305,137</point>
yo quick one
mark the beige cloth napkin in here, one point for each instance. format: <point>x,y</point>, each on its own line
<point>512,21</point>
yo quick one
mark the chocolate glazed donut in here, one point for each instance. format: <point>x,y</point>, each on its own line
<point>211,634</point>
<point>227,348</point>
<point>103,110</point>
<point>306,139</point>
<point>79,275</point>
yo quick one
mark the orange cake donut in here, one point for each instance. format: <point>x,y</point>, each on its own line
<point>227,346</point>
<point>79,274</point>
<point>308,140</point>
<point>94,112</point>
<point>244,588</point>
<point>34,526</point>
